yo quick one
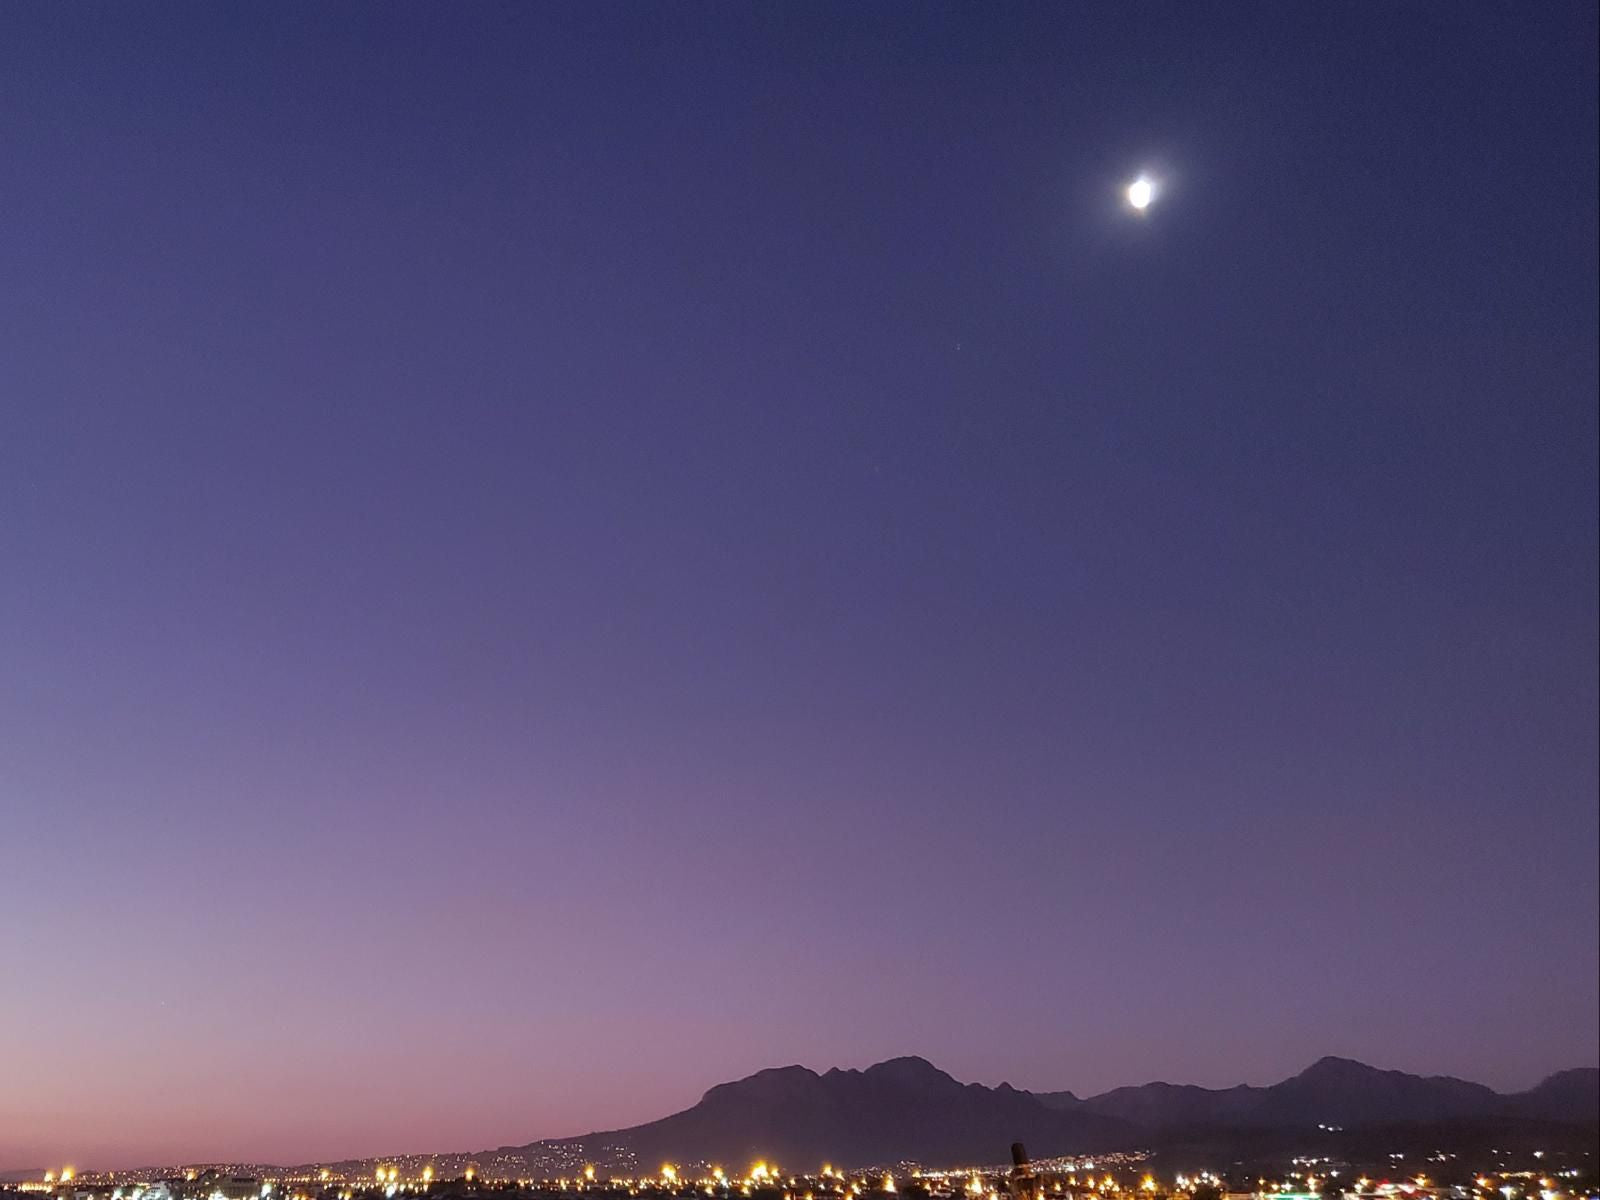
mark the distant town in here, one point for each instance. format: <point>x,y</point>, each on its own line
<point>1492,1174</point>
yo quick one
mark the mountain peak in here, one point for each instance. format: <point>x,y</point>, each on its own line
<point>909,1071</point>
<point>1570,1094</point>
<point>773,1083</point>
<point>1580,1076</point>
<point>1331,1066</point>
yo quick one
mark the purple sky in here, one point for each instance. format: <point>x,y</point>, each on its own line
<point>551,556</point>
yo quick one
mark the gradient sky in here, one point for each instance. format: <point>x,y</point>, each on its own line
<point>553,555</point>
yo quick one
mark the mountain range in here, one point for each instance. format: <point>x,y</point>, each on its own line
<point>906,1109</point>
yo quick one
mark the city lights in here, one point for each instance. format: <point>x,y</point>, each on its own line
<point>582,1175</point>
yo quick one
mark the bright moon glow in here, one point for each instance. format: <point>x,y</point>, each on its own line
<point>1140,192</point>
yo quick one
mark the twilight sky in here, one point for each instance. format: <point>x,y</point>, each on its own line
<point>553,555</point>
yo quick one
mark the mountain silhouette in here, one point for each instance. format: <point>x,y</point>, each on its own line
<point>906,1109</point>
<point>1167,1105</point>
<point>1342,1092</point>
<point>1565,1096</point>
<point>903,1109</point>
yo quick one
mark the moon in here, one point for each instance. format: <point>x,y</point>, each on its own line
<point>1141,193</point>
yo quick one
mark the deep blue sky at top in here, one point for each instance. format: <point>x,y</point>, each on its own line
<point>715,524</point>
